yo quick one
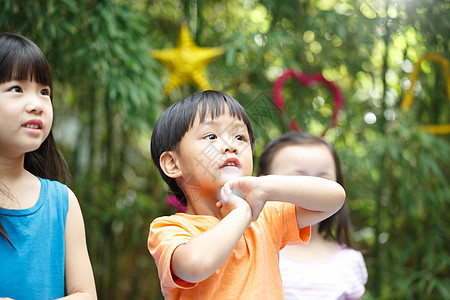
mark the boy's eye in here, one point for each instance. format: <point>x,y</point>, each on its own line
<point>16,89</point>
<point>210,137</point>
<point>241,138</point>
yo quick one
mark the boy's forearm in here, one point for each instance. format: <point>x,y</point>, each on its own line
<point>316,198</point>
<point>311,193</point>
<point>205,253</point>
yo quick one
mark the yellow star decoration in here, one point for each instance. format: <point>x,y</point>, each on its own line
<point>186,62</point>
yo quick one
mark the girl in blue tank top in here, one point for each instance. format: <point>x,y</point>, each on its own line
<point>43,252</point>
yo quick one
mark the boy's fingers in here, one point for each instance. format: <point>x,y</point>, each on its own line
<point>223,195</point>
<point>227,188</point>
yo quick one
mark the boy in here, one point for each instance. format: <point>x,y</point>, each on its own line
<point>226,244</point>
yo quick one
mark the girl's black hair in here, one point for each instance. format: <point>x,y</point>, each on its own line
<point>21,59</point>
<point>172,125</point>
<point>337,226</point>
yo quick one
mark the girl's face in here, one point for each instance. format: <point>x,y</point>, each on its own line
<point>307,160</point>
<point>26,116</point>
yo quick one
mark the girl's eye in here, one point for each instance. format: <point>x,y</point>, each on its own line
<point>16,89</point>
<point>45,92</point>
<point>211,136</point>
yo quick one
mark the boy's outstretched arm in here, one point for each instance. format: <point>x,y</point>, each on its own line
<point>316,198</point>
<point>198,259</point>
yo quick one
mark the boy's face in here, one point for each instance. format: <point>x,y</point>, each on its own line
<point>213,152</point>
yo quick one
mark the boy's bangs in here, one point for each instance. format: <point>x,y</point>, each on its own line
<point>215,105</point>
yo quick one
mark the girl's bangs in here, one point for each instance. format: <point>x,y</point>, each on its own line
<point>33,69</point>
<point>25,65</point>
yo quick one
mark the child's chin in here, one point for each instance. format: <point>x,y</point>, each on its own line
<point>228,175</point>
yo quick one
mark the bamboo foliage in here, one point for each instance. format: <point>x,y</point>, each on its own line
<point>108,94</point>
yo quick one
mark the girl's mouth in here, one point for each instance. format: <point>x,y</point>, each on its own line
<point>33,124</point>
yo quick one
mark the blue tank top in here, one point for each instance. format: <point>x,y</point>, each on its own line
<point>35,268</point>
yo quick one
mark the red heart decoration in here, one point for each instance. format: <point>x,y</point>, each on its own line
<point>307,81</point>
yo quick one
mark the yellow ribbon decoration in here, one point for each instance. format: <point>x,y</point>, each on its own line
<point>187,62</point>
<point>409,96</point>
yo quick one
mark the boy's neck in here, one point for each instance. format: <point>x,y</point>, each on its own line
<point>201,201</point>
<point>203,206</point>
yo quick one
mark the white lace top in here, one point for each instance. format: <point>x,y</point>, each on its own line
<point>342,276</point>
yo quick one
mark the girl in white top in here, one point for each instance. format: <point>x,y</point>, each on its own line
<point>328,267</point>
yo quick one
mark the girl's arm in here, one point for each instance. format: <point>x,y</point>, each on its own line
<point>198,259</point>
<point>316,198</point>
<point>80,282</point>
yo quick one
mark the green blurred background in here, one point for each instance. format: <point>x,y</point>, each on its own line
<point>108,94</point>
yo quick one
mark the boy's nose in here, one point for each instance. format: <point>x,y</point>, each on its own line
<point>229,146</point>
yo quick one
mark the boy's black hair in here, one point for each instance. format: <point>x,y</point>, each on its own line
<point>172,125</point>
<point>337,226</point>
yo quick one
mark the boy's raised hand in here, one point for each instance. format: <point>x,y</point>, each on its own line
<point>230,201</point>
<point>248,188</point>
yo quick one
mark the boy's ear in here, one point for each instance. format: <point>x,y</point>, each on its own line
<point>169,165</point>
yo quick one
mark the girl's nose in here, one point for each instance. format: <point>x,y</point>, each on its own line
<point>34,104</point>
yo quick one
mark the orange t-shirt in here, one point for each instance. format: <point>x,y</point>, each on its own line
<point>250,272</point>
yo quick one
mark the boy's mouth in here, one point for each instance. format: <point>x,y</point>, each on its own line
<point>231,162</point>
